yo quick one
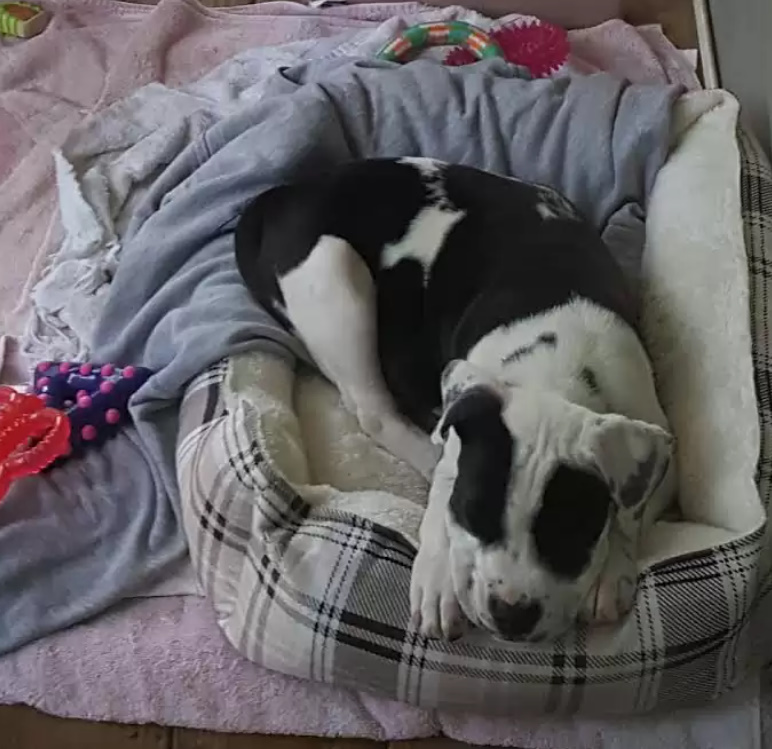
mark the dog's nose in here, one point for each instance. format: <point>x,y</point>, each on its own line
<point>514,620</point>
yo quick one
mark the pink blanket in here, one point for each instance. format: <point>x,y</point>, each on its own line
<point>95,52</point>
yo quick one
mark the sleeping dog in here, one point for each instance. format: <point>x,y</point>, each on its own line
<point>485,310</point>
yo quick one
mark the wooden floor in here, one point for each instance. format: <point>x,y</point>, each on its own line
<point>676,17</point>
<point>25,728</point>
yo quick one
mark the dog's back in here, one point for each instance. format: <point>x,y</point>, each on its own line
<point>455,253</point>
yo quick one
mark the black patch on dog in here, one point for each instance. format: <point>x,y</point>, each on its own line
<point>479,497</point>
<point>637,486</point>
<point>545,339</point>
<point>573,514</point>
<point>590,379</point>
<point>368,203</point>
<point>502,263</point>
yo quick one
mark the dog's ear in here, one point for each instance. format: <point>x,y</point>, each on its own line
<point>632,456</point>
<point>471,410</point>
<point>484,462</point>
<point>460,378</point>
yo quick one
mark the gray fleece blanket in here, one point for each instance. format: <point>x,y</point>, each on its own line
<point>85,535</point>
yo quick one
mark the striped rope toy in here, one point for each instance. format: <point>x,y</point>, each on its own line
<point>22,19</point>
<point>422,35</point>
<point>540,47</point>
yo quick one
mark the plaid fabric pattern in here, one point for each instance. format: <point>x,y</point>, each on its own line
<point>757,221</point>
<point>324,596</point>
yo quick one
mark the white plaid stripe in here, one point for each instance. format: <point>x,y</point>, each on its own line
<point>324,596</point>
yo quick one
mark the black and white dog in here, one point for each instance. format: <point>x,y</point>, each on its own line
<point>445,298</point>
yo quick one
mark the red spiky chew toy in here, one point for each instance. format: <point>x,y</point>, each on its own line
<point>31,436</point>
<point>538,46</point>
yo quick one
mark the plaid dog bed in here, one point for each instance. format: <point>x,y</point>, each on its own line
<point>323,594</point>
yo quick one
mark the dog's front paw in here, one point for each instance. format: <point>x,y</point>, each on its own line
<point>433,604</point>
<point>613,596</point>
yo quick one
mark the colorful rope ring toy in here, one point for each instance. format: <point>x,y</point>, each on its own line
<point>22,19</point>
<point>423,35</point>
<point>31,436</point>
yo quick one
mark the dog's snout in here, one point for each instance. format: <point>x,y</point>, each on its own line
<point>514,620</point>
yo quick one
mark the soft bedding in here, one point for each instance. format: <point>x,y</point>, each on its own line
<point>94,54</point>
<point>79,530</point>
<point>303,533</point>
<point>601,140</point>
<point>157,418</point>
<point>105,165</point>
<point>101,670</point>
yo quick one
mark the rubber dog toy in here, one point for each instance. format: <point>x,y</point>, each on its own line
<point>542,48</point>
<point>31,436</point>
<point>422,35</point>
<point>95,397</point>
<point>22,19</point>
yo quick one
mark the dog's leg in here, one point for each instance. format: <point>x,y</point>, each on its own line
<point>330,299</point>
<point>407,358</point>
<point>433,604</point>
<point>614,594</point>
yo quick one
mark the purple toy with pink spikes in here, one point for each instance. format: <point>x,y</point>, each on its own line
<point>95,397</point>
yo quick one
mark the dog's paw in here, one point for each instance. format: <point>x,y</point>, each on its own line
<point>613,596</point>
<point>434,608</point>
<point>614,599</point>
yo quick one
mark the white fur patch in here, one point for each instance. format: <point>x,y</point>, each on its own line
<point>425,165</point>
<point>428,167</point>
<point>431,171</point>
<point>585,336</point>
<point>423,239</point>
<point>332,291</point>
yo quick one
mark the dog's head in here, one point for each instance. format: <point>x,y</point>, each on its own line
<point>537,481</point>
